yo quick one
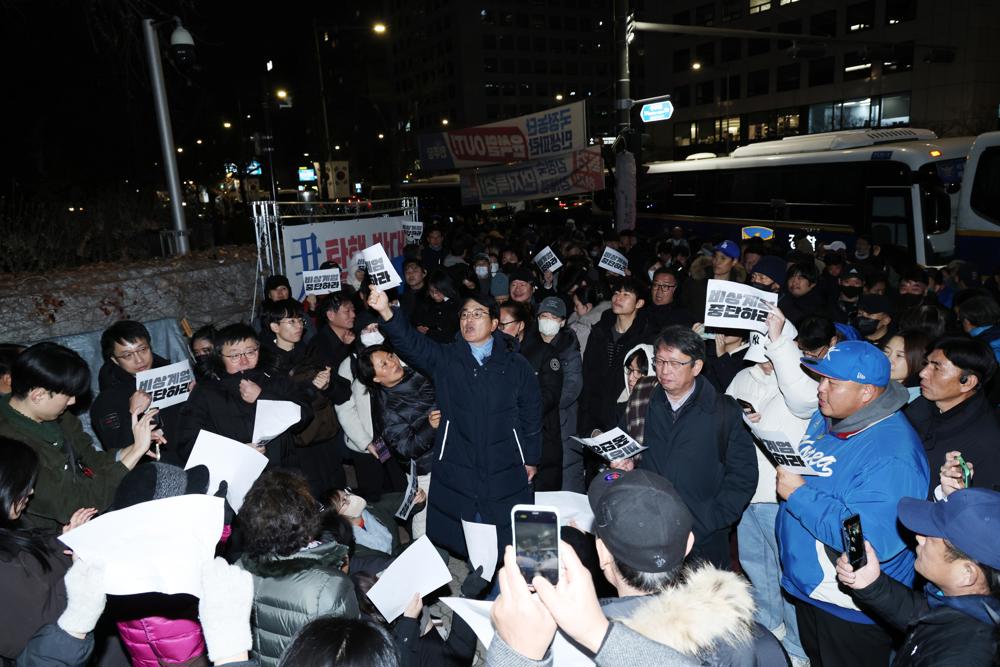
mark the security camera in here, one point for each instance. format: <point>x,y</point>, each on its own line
<point>182,46</point>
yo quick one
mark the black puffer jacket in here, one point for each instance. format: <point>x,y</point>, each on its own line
<point>400,415</point>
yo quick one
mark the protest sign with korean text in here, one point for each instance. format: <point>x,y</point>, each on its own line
<point>612,445</point>
<point>410,497</point>
<point>730,305</point>
<point>542,134</point>
<point>613,261</point>
<point>546,260</point>
<point>306,247</point>
<point>414,230</point>
<point>573,173</point>
<point>168,385</point>
<point>783,451</point>
<point>380,270</point>
<point>325,281</point>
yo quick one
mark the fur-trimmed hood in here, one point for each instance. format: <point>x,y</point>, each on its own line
<point>710,608</point>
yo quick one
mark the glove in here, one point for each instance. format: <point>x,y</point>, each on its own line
<point>474,584</point>
<point>85,598</point>
<point>224,609</point>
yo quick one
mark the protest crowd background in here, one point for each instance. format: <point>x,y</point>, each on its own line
<point>706,413</point>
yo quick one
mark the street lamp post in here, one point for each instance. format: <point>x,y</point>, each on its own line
<point>166,134</point>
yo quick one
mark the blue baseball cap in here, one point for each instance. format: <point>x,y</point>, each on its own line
<point>970,520</point>
<point>729,249</point>
<point>853,361</point>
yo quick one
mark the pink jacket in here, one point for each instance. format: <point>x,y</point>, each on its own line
<point>155,641</point>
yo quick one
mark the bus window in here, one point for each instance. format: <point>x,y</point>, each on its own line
<point>986,185</point>
<point>889,216</point>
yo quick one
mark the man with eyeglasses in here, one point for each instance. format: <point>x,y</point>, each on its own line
<point>666,309</point>
<point>127,350</point>
<point>697,440</point>
<point>489,442</point>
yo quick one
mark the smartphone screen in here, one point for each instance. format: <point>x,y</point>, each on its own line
<point>536,541</point>
<point>854,542</point>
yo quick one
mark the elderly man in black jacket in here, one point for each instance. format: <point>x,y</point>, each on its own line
<point>489,441</point>
<point>697,440</point>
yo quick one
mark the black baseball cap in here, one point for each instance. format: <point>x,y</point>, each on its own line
<point>875,304</point>
<point>641,518</point>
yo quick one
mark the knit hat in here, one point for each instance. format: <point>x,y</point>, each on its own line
<point>499,286</point>
<point>772,267</point>
<point>154,480</point>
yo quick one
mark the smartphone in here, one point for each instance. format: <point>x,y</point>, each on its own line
<point>746,405</point>
<point>854,542</point>
<point>536,541</point>
<point>383,450</point>
<point>966,473</point>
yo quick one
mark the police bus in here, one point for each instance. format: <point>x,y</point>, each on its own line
<point>898,186</point>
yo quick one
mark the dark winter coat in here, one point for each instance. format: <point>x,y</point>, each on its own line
<point>327,348</point>
<point>491,427</point>
<point>112,422</point>
<point>940,631</point>
<point>970,427</point>
<point>400,416</point>
<point>710,459</point>
<point>216,406</point>
<point>31,596</point>
<point>548,369</point>
<point>603,362</point>
<point>567,346</point>
<point>668,315</point>
<point>441,319</point>
<point>813,302</point>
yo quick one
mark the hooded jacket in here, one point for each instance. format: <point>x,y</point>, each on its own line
<point>867,462</point>
<point>940,631</point>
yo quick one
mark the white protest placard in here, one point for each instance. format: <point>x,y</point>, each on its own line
<point>238,464</point>
<point>410,497</point>
<point>414,230</point>
<point>325,281</point>
<point>612,445</point>
<point>419,569</point>
<point>272,418</point>
<point>572,506</point>
<point>477,614</point>
<point>546,260</point>
<point>481,543</point>
<point>168,385</point>
<point>730,305</point>
<point>613,261</point>
<point>158,546</point>
<point>380,270</point>
<point>783,451</point>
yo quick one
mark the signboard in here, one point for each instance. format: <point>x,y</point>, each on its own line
<point>783,452</point>
<point>414,230</point>
<point>572,173</point>
<point>730,305</point>
<point>380,270</point>
<point>326,281</point>
<point>547,261</point>
<point>168,385</point>
<point>307,175</point>
<point>410,497</point>
<point>306,247</point>
<point>543,134</point>
<point>613,261</point>
<point>612,445</point>
<point>656,111</point>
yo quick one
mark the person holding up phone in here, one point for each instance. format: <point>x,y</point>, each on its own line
<point>953,620</point>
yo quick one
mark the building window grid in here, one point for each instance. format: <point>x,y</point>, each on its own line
<point>758,6</point>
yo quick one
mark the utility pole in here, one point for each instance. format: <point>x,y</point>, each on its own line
<point>625,169</point>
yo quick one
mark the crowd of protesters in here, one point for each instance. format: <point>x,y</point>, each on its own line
<point>478,375</point>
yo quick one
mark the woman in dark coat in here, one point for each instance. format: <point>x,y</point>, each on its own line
<point>489,443</point>
<point>437,315</point>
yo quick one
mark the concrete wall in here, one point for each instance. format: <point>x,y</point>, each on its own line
<point>213,286</point>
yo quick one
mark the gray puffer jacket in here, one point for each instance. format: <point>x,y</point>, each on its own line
<point>290,591</point>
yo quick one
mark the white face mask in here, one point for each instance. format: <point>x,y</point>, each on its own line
<point>369,338</point>
<point>354,507</point>
<point>483,271</point>
<point>548,327</point>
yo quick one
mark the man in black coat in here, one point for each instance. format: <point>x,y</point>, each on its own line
<point>127,350</point>
<point>952,413</point>
<point>545,361</point>
<point>334,340</point>
<point>696,439</point>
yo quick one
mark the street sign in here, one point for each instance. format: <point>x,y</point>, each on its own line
<point>656,111</point>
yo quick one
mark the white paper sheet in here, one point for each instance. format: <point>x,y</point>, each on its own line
<point>613,261</point>
<point>272,418</point>
<point>413,229</point>
<point>410,496</point>
<point>158,546</point>
<point>783,451</point>
<point>612,445</point>
<point>546,260</point>
<point>481,541</point>
<point>380,270</point>
<point>477,614</point>
<point>324,281</point>
<point>572,507</point>
<point>238,464</point>
<point>419,569</point>
<point>730,305</point>
<point>168,385</point>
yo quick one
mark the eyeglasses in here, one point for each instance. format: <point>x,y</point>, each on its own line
<point>249,354</point>
<point>131,354</point>
<point>473,314</point>
<point>294,321</point>
<point>633,371</point>
<point>663,287</point>
<point>671,364</point>
<point>818,353</point>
